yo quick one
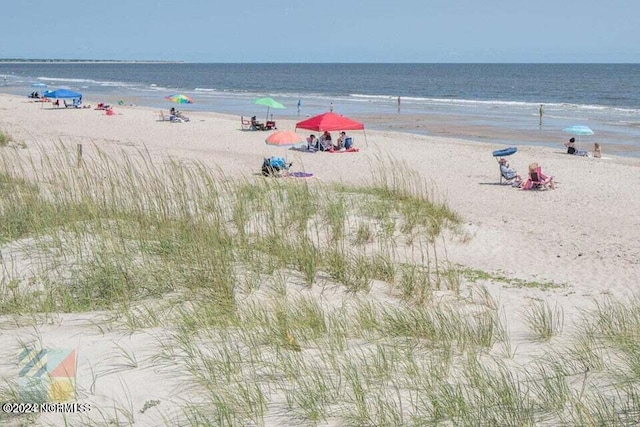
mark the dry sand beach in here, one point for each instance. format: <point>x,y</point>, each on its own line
<point>572,247</point>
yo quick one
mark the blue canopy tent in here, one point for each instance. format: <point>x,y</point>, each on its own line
<point>64,94</point>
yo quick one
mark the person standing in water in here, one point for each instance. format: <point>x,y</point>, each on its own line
<point>541,114</point>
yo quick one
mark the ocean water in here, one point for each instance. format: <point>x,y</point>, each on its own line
<point>605,97</point>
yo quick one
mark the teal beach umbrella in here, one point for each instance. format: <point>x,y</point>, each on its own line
<point>579,130</point>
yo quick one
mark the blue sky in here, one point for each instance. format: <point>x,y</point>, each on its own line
<point>324,31</point>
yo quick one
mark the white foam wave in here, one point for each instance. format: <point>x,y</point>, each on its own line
<point>496,103</point>
<point>68,80</point>
<point>355,95</point>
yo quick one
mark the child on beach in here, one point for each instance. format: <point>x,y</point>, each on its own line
<point>597,152</point>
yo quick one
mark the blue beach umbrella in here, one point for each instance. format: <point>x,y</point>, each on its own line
<point>505,152</point>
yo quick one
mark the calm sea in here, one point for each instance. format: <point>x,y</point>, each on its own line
<point>605,97</point>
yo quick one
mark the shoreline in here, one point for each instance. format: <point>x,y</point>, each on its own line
<point>507,115</point>
<point>442,124</point>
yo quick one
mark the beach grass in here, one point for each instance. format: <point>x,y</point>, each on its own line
<point>294,303</point>
<point>5,138</point>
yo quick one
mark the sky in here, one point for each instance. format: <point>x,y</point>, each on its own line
<point>421,31</point>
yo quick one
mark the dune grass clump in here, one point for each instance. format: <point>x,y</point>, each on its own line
<point>5,138</point>
<point>544,321</point>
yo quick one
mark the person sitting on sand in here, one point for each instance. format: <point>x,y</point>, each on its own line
<point>509,173</point>
<point>537,179</point>
<point>313,143</point>
<point>597,152</point>
<point>256,125</point>
<point>325,141</point>
<point>340,142</point>
<point>571,146</point>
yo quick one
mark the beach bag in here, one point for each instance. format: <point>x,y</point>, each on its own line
<point>348,142</point>
<point>277,162</point>
<point>273,165</point>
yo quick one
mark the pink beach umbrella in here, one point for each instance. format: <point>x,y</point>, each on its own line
<point>284,138</point>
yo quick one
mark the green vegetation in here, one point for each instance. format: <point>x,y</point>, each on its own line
<point>475,275</point>
<point>294,303</point>
<point>5,138</point>
<point>544,321</point>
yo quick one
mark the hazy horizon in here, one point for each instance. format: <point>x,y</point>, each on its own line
<point>336,31</point>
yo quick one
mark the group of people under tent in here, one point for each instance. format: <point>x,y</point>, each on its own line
<point>325,142</point>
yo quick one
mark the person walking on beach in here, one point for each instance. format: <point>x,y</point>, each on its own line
<point>331,107</point>
<point>398,104</point>
<point>299,106</point>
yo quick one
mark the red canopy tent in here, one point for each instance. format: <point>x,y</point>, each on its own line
<point>330,122</point>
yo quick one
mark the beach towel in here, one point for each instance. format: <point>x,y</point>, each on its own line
<point>348,150</point>
<point>299,175</point>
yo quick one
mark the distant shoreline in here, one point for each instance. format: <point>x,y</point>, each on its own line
<point>84,61</point>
